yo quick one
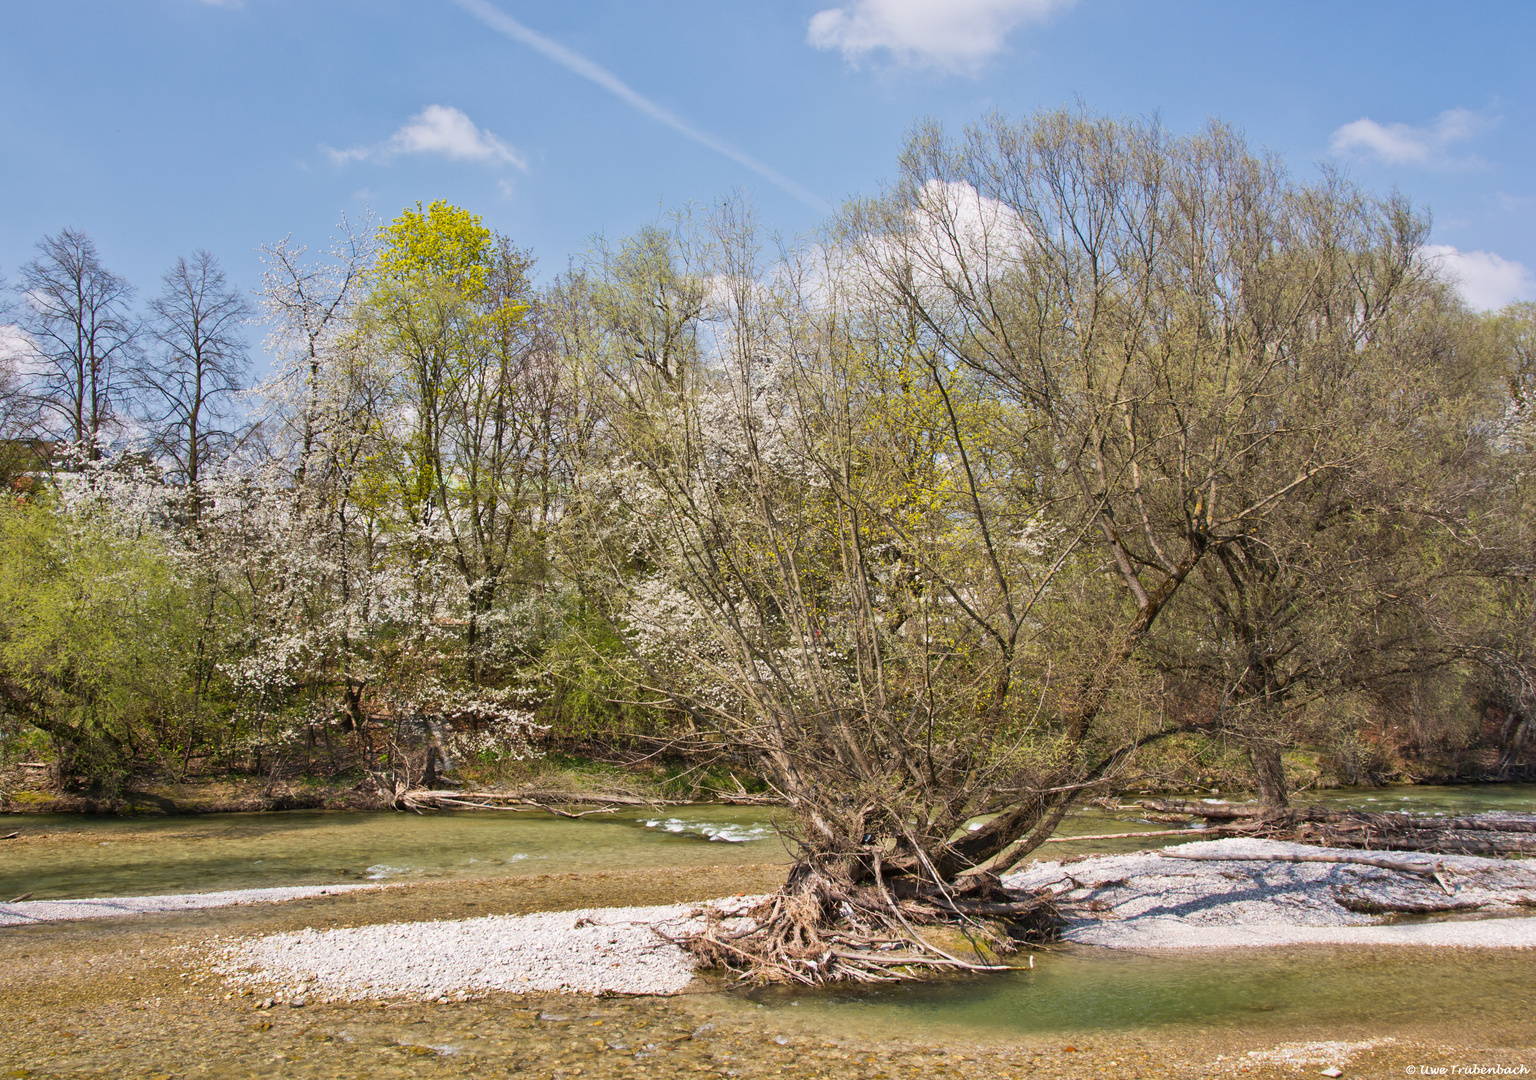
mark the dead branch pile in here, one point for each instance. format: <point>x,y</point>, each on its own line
<point>1476,834</point>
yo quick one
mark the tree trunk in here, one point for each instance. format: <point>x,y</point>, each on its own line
<point>1269,775</point>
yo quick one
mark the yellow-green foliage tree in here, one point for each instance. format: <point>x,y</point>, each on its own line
<point>475,402</point>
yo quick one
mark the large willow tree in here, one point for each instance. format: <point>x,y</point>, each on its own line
<point>903,515</point>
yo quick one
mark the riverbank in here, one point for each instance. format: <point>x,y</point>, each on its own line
<point>29,791</point>
<point>133,997</point>
<point>1209,895</point>
<point>28,788</point>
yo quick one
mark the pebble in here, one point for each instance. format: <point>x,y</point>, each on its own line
<point>598,951</point>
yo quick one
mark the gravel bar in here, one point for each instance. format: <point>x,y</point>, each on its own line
<point>1151,900</point>
<point>595,951</point>
<point>29,912</point>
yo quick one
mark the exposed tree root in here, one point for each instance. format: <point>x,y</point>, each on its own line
<point>822,926</point>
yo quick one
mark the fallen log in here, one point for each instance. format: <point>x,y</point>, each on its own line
<point>1353,900</point>
<point>567,797</point>
<point>1426,870</point>
<point>517,808</point>
<point>529,800</point>
<point>1209,811</point>
<point>1501,834</point>
<point>1525,823</point>
<point>1232,830</point>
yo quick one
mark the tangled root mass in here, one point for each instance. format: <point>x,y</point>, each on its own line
<point>827,924</point>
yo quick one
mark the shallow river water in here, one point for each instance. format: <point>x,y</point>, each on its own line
<point>65,856</point>
<point>1080,1012</point>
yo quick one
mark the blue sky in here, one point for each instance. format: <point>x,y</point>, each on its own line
<point>160,126</point>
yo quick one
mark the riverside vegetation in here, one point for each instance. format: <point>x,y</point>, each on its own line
<point>1086,457</point>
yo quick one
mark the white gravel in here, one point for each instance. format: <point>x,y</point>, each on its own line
<point>594,951</point>
<point>28,912</point>
<point>1149,900</point>
<point>1146,900</point>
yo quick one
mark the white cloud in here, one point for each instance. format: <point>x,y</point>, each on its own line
<point>954,35</point>
<point>441,129</point>
<point>1486,281</point>
<point>1403,144</point>
<point>437,129</point>
<point>14,342</point>
<point>956,238</point>
<point>18,351</point>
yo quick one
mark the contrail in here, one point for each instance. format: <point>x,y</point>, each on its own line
<point>504,24</point>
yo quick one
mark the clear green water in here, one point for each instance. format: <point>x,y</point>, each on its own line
<point>1079,989</point>
<point>67,856</point>
<point>1457,799</point>
<point>74,856</point>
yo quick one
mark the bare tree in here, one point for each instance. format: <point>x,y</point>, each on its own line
<point>201,362</point>
<point>308,307</point>
<point>18,408</point>
<point>86,338</point>
<point>905,532</point>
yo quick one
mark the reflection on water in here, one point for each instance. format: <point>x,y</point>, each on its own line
<point>1081,988</point>
<point>72,856</point>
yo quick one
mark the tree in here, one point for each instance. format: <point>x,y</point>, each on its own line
<point>905,531</point>
<point>19,453</point>
<point>186,388</point>
<point>308,307</point>
<point>309,633</point>
<point>76,313</point>
<point>476,402</point>
<point>1492,623</point>
<point>93,640</point>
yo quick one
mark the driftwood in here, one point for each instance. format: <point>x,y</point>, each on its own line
<point>1218,831</point>
<point>1435,870</point>
<point>524,802</point>
<point>1425,869</point>
<point>823,926</point>
<point>1477,834</point>
<point>730,798</point>
<point>1358,902</point>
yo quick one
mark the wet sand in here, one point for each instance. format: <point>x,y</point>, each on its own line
<point>130,998</point>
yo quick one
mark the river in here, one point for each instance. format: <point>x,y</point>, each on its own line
<point>1249,993</point>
